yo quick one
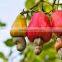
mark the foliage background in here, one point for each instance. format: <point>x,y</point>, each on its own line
<point>48,54</point>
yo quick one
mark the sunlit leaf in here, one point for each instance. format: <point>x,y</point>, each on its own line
<point>29,4</point>
<point>47,7</point>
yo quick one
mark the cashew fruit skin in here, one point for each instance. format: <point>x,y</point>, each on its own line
<point>39,27</point>
<point>56,22</point>
<point>19,27</point>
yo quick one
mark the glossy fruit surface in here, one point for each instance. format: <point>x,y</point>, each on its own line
<point>39,27</point>
<point>56,22</point>
<point>19,26</point>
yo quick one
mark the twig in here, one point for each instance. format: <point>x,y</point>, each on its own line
<point>51,4</point>
<point>58,3</point>
<point>27,11</point>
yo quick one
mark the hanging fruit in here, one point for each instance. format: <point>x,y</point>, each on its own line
<point>39,27</point>
<point>56,23</point>
<point>18,31</point>
<point>19,26</point>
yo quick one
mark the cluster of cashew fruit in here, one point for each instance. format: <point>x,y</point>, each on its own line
<point>39,31</point>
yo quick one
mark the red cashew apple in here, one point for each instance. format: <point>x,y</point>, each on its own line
<point>56,23</point>
<point>39,27</point>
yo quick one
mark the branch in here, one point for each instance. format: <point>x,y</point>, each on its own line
<point>28,11</point>
<point>58,3</point>
<point>53,3</point>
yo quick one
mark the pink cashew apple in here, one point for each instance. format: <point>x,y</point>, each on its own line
<point>39,27</point>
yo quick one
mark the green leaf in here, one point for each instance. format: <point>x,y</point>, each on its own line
<point>9,42</point>
<point>2,24</point>
<point>47,7</point>
<point>1,55</point>
<point>29,4</point>
<point>49,44</point>
<point>48,55</point>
